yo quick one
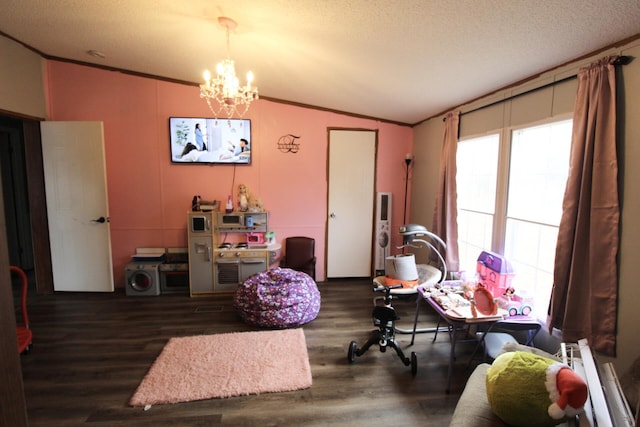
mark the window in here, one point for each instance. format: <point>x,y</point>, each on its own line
<point>476,180</point>
<point>510,191</point>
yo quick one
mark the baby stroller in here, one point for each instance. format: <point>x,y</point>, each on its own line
<point>384,317</point>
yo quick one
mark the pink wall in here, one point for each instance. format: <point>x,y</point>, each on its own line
<point>149,197</point>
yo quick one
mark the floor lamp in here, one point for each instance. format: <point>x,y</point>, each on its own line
<point>408,159</point>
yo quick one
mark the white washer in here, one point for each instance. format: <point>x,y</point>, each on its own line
<point>142,279</point>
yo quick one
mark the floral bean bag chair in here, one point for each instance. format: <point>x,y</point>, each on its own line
<point>278,298</point>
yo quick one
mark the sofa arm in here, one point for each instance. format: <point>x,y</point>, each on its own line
<point>473,409</point>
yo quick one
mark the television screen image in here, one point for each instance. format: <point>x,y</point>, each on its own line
<point>196,140</point>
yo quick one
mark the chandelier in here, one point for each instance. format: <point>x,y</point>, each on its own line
<point>223,93</point>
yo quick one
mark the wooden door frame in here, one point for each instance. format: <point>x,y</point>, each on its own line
<point>12,398</point>
<point>38,207</point>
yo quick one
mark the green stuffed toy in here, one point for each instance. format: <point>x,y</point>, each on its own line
<point>525,389</point>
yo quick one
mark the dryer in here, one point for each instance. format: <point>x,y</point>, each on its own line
<point>142,279</point>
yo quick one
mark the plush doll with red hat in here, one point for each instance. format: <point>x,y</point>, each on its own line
<point>567,390</point>
<point>526,389</point>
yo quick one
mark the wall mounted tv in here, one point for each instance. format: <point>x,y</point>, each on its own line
<point>196,140</point>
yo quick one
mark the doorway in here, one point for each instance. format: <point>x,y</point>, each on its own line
<point>15,193</point>
<point>24,133</point>
<point>351,200</point>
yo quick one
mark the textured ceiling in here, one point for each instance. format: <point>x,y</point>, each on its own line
<point>402,60</point>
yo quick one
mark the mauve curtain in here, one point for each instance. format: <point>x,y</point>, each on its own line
<point>584,297</point>
<point>445,216</point>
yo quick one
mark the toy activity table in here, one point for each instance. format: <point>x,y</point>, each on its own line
<point>457,319</point>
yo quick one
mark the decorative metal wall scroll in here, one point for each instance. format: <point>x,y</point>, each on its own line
<point>287,144</point>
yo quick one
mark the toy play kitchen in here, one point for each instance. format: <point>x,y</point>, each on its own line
<point>226,248</point>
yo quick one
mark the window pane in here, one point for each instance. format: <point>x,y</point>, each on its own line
<point>474,236</point>
<point>539,166</point>
<point>530,247</point>
<point>477,168</point>
<point>538,172</point>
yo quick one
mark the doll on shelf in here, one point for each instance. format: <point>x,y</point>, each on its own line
<point>243,198</point>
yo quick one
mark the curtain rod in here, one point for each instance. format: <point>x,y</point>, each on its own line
<point>621,60</point>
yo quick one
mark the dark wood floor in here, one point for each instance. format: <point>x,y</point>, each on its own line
<point>91,351</point>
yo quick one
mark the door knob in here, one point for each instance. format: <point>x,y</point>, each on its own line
<point>332,215</point>
<point>101,220</point>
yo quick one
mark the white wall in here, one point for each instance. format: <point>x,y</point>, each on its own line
<point>530,108</point>
<point>21,80</point>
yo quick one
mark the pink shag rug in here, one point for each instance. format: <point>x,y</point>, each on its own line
<point>225,365</point>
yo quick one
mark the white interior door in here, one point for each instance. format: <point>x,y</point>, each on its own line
<point>351,202</point>
<point>75,182</point>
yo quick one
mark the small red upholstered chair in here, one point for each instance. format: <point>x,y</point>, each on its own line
<point>25,336</point>
<point>299,255</point>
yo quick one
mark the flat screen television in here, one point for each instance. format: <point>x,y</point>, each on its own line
<point>197,140</point>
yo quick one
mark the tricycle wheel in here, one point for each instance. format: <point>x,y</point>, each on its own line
<point>414,363</point>
<point>352,351</point>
